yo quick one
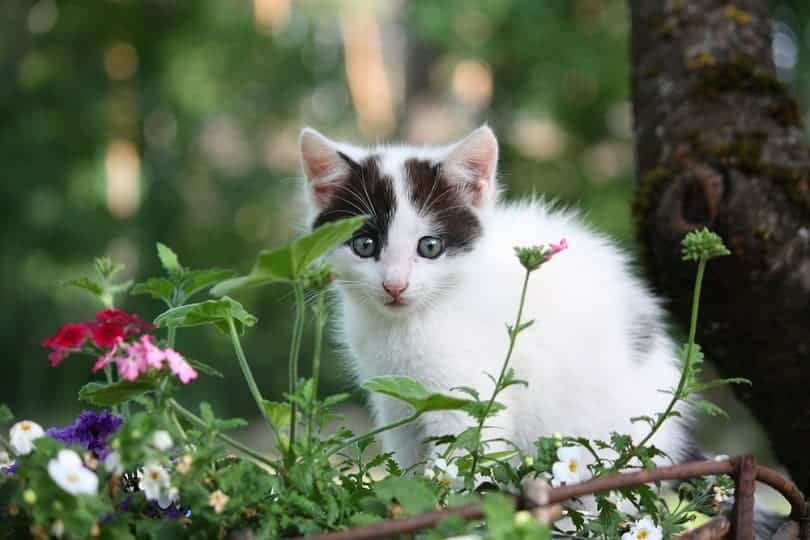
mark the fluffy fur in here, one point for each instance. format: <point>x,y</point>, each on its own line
<point>597,354</point>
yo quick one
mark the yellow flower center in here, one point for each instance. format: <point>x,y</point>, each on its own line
<point>72,478</point>
<point>642,534</point>
<point>154,475</point>
<point>572,466</point>
<point>25,426</point>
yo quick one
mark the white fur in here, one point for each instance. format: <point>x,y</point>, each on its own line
<point>585,377</point>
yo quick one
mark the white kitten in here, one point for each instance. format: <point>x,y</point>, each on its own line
<point>427,285</point>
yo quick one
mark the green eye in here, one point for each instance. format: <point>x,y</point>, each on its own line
<point>364,246</point>
<point>430,247</point>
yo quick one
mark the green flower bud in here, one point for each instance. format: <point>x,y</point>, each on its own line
<point>531,257</point>
<point>29,496</point>
<point>702,244</point>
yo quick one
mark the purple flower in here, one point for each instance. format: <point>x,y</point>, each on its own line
<point>9,469</point>
<point>90,431</point>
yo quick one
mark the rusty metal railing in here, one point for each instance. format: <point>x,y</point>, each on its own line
<point>738,524</point>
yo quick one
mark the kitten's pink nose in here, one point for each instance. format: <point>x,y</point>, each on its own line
<point>395,288</point>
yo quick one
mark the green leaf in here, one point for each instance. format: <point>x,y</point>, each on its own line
<point>288,263</point>
<point>214,312</point>
<point>198,280</point>
<point>86,284</point>
<point>413,494</point>
<point>205,368</point>
<point>169,260</point>
<point>5,414</point>
<point>278,413</point>
<point>708,407</point>
<point>702,387</point>
<point>412,392</point>
<point>107,395</point>
<point>157,288</point>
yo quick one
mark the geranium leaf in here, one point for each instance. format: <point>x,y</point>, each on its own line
<point>415,394</point>
<point>198,280</point>
<point>216,312</point>
<point>157,288</point>
<point>288,263</point>
<point>169,260</point>
<point>107,395</point>
<point>86,284</point>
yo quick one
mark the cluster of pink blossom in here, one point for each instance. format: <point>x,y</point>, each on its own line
<point>138,357</point>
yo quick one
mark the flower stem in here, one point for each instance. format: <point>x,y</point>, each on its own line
<point>320,323</point>
<point>295,349</point>
<point>5,444</point>
<point>194,419</point>
<point>686,370</point>
<point>248,374</point>
<point>373,432</point>
<point>513,334</point>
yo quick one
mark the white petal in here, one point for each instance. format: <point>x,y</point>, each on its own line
<point>69,459</point>
<point>88,482</point>
<point>628,536</point>
<point>441,464</point>
<point>162,440</point>
<point>567,453</point>
<point>561,472</point>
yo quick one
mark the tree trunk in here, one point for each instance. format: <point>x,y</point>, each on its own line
<point>719,143</point>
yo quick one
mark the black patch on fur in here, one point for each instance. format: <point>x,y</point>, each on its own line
<point>363,191</point>
<point>444,203</point>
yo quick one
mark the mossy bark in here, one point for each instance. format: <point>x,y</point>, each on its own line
<point>719,143</point>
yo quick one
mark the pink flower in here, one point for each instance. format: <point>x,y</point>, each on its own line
<point>148,353</point>
<point>556,248</point>
<point>129,366</point>
<point>108,357</point>
<point>179,366</point>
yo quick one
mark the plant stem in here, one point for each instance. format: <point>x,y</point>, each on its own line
<point>374,432</point>
<point>248,374</point>
<point>178,425</point>
<point>513,333</point>
<point>295,349</point>
<point>685,370</point>
<point>5,444</point>
<point>320,323</point>
<point>194,419</point>
<point>170,336</point>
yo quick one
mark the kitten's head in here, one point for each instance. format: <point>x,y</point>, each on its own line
<point>424,205</point>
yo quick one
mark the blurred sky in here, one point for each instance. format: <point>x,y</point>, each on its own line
<point>124,123</point>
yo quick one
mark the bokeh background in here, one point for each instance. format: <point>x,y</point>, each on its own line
<point>124,123</point>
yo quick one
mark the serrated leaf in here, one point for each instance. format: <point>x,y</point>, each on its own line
<point>472,392</point>
<point>169,260</point>
<point>415,394</point>
<point>86,284</point>
<point>214,312</point>
<point>288,263</point>
<point>195,281</point>
<point>701,387</point>
<point>157,288</point>
<point>708,407</point>
<point>5,414</point>
<point>107,395</point>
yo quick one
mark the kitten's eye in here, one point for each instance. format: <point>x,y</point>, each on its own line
<point>364,246</point>
<point>430,247</point>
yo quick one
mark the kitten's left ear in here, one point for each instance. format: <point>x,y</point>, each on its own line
<point>472,163</point>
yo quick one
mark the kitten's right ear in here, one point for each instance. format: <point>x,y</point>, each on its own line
<point>323,165</point>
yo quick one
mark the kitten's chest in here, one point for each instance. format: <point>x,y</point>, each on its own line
<point>440,353</point>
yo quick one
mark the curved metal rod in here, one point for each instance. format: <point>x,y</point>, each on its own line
<point>682,471</point>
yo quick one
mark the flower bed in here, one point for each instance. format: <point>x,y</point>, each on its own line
<point>142,465</point>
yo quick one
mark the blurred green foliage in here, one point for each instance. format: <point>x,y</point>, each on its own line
<point>124,123</point>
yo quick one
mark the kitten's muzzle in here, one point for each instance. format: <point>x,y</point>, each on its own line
<point>395,288</point>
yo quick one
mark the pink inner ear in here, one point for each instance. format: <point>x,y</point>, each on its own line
<point>319,167</point>
<point>323,192</point>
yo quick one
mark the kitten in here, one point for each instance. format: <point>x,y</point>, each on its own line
<point>428,283</point>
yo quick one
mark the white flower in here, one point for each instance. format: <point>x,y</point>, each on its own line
<point>448,473</point>
<point>113,463</point>
<point>23,434</point>
<point>154,481</point>
<point>571,467</point>
<point>168,497</point>
<point>644,529</point>
<point>69,473</point>
<point>217,500</point>
<point>162,440</point>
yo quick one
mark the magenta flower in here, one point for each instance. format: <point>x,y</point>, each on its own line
<point>556,248</point>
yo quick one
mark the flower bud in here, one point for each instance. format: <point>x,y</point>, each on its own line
<point>30,496</point>
<point>702,244</point>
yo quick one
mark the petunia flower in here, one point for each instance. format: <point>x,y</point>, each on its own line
<point>162,440</point>
<point>69,338</point>
<point>113,324</point>
<point>22,436</point>
<point>69,473</point>
<point>90,431</point>
<point>644,529</point>
<point>179,366</point>
<point>571,467</point>
<point>139,357</point>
